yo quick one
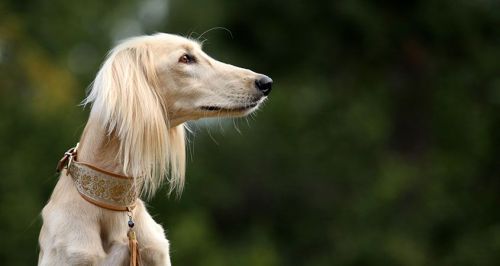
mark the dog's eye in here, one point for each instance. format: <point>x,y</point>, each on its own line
<point>187,59</point>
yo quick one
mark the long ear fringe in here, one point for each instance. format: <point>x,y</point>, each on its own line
<point>126,102</point>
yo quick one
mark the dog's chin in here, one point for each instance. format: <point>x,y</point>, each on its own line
<point>236,110</point>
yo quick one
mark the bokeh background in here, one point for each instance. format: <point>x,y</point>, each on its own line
<point>379,145</point>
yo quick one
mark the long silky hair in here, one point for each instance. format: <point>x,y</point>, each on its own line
<point>126,100</point>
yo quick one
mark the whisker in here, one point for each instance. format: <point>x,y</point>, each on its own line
<point>236,126</point>
<point>209,131</point>
<point>217,28</point>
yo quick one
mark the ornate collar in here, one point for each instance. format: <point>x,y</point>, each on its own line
<point>99,187</point>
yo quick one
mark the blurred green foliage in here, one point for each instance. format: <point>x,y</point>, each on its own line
<point>378,146</point>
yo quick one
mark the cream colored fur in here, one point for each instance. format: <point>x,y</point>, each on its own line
<point>140,99</point>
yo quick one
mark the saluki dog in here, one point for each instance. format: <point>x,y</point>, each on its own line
<point>145,91</point>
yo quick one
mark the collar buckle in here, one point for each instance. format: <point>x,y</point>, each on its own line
<point>67,159</point>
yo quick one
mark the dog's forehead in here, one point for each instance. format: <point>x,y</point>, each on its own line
<point>176,41</point>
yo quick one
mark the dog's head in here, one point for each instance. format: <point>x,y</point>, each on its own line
<point>190,84</point>
<point>195,85</point>
<point>150,85</point>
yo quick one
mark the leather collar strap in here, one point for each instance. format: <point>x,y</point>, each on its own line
<point>99,187</point>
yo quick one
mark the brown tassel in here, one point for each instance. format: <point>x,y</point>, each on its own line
<point>134,249</point>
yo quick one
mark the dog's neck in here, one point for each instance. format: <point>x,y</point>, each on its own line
<point>99,148</point>
<point>148,152</point>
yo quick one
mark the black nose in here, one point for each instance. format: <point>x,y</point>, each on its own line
<point>264,84</point>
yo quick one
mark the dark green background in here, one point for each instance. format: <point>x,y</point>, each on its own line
<point>379,144</point>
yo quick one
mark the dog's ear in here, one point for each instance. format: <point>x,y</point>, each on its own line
<point>126,99</point>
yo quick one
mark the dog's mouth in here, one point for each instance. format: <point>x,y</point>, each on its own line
<point>228,109</point>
